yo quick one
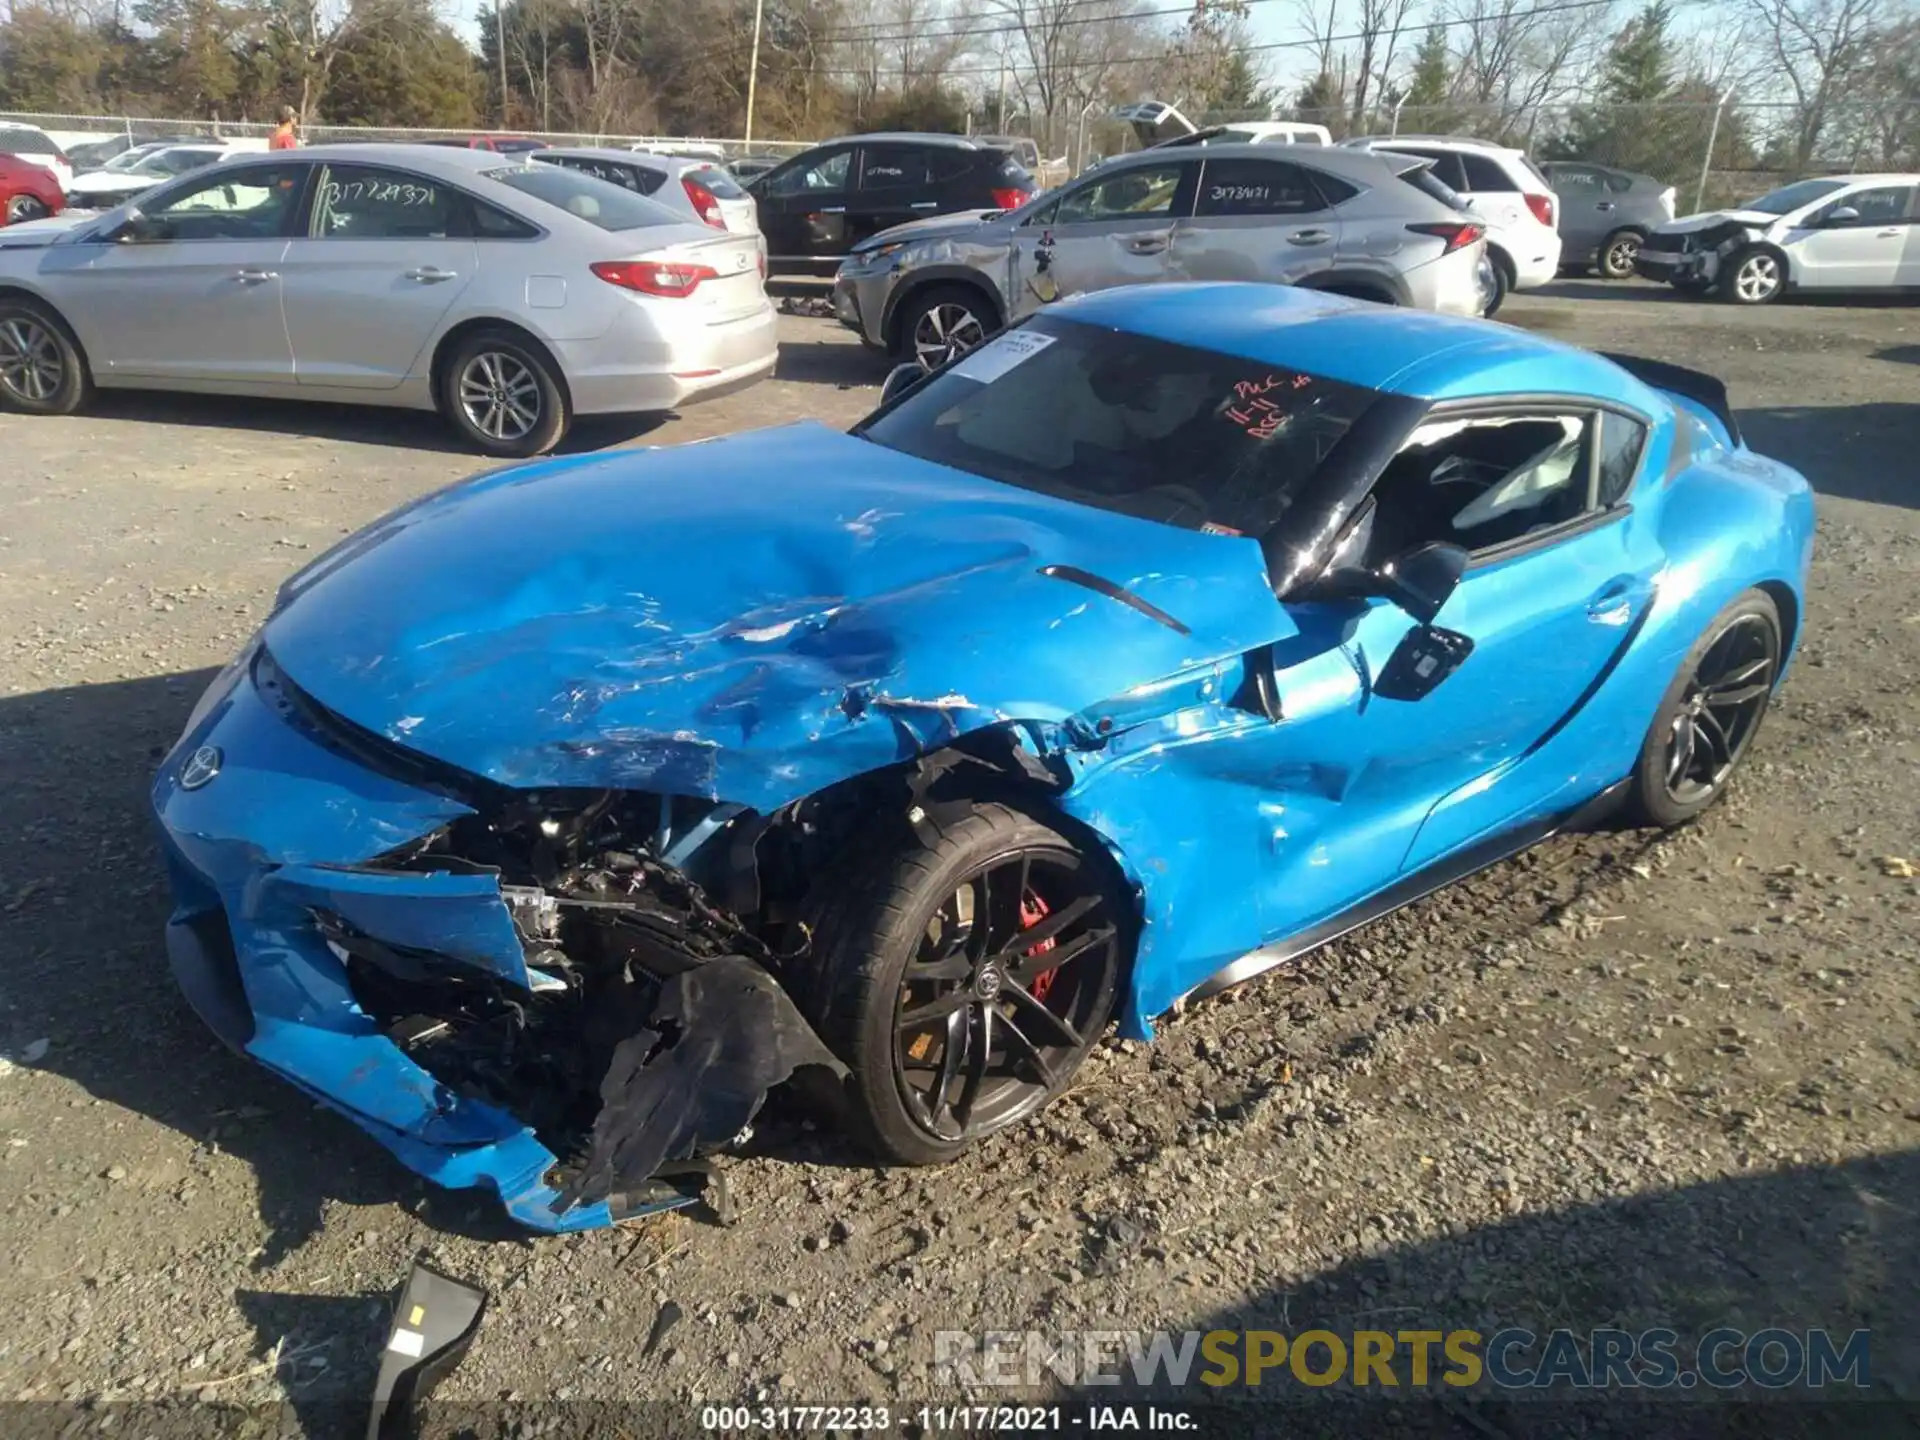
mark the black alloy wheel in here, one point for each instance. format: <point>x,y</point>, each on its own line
<point>1007,993</point>
<point>1710,713</point>
<point>1721,709</point>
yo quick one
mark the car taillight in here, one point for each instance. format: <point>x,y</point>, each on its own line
<point>654,277</point>
<point>1008,199</point>
<point>1457,233</point>
<point>704,205</point>
<point>1542,208</point>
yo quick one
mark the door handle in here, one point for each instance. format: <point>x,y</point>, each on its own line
<point>1309,237</point>
<point>925,205</point>
<point>1604,205</point>
<point>833,209</point>
<point>256,277</point>
<point>432,275</point>
<point>1889,233</point>
<point>1613,605</point>
<point>1148,244</point>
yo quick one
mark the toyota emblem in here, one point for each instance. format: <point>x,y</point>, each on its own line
<point>201,767</point>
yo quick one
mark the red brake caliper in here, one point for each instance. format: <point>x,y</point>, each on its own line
<point>1032,911</point>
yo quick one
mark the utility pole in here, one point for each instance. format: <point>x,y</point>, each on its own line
<point>500,48</point>
<point>753,65</point>
<point>1706,161</point>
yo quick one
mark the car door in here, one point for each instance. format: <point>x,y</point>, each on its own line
<point>803,211</point>
<point>1561,576</point>
<point>1114,228</point>
<point>192,290</point>
<point>894,184</point>
<point>1262,220</point>
<point>384,255</point>
<point>1859,240</point>
<point>1587,206</point>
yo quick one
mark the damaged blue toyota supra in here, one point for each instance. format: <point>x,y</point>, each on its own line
<point>551,822</point>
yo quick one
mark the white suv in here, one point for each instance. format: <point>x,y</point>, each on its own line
<point>1505,189</point>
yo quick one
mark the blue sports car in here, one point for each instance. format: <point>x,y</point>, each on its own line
<point>550,822</point>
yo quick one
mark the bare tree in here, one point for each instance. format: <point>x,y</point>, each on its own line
<point>1513,58</point>
<point>1817,48</point>
<point>1068,52</point>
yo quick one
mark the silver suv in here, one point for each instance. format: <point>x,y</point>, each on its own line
<point>1376,227</point>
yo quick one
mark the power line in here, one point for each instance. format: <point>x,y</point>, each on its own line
<point>1562,7</point>
<point>865,31</point>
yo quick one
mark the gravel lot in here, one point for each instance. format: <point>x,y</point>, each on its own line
<point>1626,1079</point>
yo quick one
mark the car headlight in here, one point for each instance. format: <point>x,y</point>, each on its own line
<point>866,259</point>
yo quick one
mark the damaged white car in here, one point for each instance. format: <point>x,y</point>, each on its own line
<point>1843,232</point>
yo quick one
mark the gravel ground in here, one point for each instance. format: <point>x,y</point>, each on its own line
<point>1625,1079</point>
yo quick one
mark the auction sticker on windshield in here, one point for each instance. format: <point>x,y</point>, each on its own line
<point>997,357</point>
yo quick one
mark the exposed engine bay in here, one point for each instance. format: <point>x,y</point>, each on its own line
<point>654,1016</point>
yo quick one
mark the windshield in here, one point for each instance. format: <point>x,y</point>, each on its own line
<point>129,159</point>
<point>1121,422</point>
<point>174,162</point>
<point>585,197</point>
<point>1791,197</point>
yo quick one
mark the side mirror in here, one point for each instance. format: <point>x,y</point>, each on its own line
<point>1845,215</point>
<point>135,228</point>
<point>900,379</point>
<point>1420,581</point>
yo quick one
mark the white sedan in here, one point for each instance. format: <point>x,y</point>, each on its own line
<point>508,296</point>
<point>1843,232</point>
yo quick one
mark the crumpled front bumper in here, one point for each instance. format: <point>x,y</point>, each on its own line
<point>282,830</point>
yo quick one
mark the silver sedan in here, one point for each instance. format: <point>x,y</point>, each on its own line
<point>508,296</point>
<point>698,189</point>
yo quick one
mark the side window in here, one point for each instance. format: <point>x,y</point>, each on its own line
<point>892,167</point>
<point>1255,187</point>
<point>1619,183</point>
<point>255,203</point>
<point>1486,175</point>
<point>1621,442</point>
<point>949,163</point>
<point>1884,206</point>
<point>1130,195</point>
<point>1483,481</point>
<point>824,173</point>
<point>364,202</point>
<point>1446,165</point>
<point>493,224</point>
<point>1574,183</point>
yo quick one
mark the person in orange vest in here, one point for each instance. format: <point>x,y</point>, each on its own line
<point>284,137</point>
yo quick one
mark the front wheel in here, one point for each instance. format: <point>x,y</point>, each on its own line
<point>42,371</point>
<point>501,393</point>
<point>1755,276</point>
<point>1617,254</point>
<point>964,980</point>
<point>1710,713</point>
<point>944,324</point>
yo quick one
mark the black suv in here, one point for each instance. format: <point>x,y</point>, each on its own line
<point>817,206</point>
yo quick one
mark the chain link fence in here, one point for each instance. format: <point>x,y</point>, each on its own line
<point>140,128</point>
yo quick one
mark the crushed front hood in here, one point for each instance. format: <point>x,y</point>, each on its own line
<point>747,619</point>
<point>1708,219</point>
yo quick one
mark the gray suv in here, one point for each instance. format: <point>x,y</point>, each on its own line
<point>1605,214</point>
<point>1376,227</point>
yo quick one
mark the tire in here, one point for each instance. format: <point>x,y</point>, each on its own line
<point>1755,276</point>
<point>22,208</point>
<point>1616,254</point>
<point>42,371</point>
<point>1738,655</point>
<point>488,386</point>
<point>917,1096</point>
<point>944,322</point>
<point>1502,284</point>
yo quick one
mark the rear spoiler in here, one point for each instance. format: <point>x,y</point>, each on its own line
<point>1694,385</point>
